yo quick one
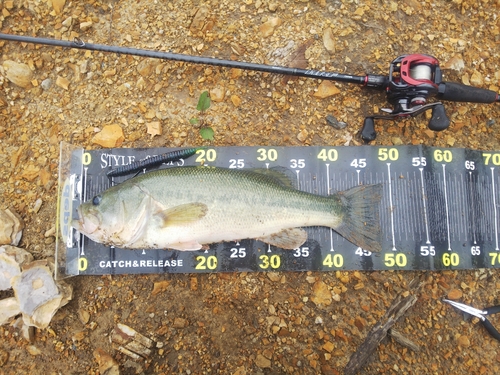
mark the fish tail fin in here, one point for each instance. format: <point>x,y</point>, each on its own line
<point>361,221</point>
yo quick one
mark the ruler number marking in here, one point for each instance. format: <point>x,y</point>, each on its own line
<point>385,154</point>
<point>328,155</point>
<point>267,154</point>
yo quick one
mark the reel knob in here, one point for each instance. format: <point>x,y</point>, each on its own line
<point>368,133</point>
<point>439,121</point>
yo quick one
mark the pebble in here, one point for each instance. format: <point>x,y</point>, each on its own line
<point>328,40</point>
<point>326,89</point>
<point>321,295</point>
<point>476,79</point>
<point>62,82</point>
<point>217,94</point>
<point>235,99</point>
<point>9,308</point>
<point>4,357</point>
<point>455,63</point>
<point>11,227</point>
<point>267,28</point>
<point>107,365</point>
<point>86,25</point>
<point>332,121</point>
<point>262,362</point>
<point>46,84</point>
<point>463,341</point>
<point>160,287</point>
<point>199,19</point>
<point>110,136</point>
<point>19,74</point>
<point>455,294</point>
<point>58,5</point>
<point>154,128</point>
<point>180,323</point>
<point>302,136</point>
<point>11,260</point>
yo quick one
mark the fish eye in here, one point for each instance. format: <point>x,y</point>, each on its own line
<point>96,200</point>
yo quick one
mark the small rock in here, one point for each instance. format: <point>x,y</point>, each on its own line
<point>46,84</point>
<point>199,19</point>
<point>328,346</point>
<point>11,227</point>
<point>110,136</point>
<point>273,6</point>
<point>4,357</point>
<point>11,260</point>
<point>267,28</point>
<point>160,287</point>
<point>154,128</point>
<point>235,99</point>
<point>85,25</point>
<point>455,294</point>
<point>18,73</point>
<point>332,121</point>
<point>58,5</point>
<point>455,63</point>
<point>107,365</point>
<point>9,308</point>
<point>217,94</point>
<point>396,141</point>
<point>463,341</point>
<point>273,276</point>
<point>326,89</point>
<point>84,316</point>
<point>240,371</point>
<point>33,350</point>
<point>476,78</point>
<point>62,82</point>
<point>302,136</point>
<point>321,295</point>
<point>180,323</point>
<point>262,362</point>
<point>328,40</point>
<point>146,67</point>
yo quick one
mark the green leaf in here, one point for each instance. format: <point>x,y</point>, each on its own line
<point>207,133</point>
<point>203,102</point>
<point>194,121</point>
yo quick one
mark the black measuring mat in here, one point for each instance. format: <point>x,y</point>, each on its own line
<point>439,210</point>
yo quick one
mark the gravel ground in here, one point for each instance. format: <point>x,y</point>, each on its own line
<point>242,323</point>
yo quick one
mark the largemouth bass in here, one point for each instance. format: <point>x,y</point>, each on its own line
<point>185,208</point>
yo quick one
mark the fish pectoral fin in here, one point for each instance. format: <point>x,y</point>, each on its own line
<point>287,238</point>
<point>186,246</point>
<point>183,214</point>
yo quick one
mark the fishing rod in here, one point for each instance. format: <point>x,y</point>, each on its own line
<point>412,79</point>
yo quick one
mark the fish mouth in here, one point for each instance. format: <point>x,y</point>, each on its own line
<point>87,223</point>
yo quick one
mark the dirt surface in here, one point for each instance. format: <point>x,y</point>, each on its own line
<point>242,323</point>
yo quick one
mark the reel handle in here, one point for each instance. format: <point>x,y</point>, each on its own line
<point>456,92</point>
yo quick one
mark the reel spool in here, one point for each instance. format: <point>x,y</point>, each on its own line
<point>412,79</point>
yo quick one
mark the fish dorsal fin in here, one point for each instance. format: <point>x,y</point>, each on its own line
<point>287,238</point>
<point>281,175</point>
<point>183,214</point>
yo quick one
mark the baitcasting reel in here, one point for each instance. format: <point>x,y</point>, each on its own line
<point>414,78</point>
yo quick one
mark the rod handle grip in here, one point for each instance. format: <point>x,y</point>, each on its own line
<point>456,92</point>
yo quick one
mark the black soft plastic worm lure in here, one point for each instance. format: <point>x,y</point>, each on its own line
<point>152,162</point>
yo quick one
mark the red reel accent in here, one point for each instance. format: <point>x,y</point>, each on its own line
<point>417,59</point>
